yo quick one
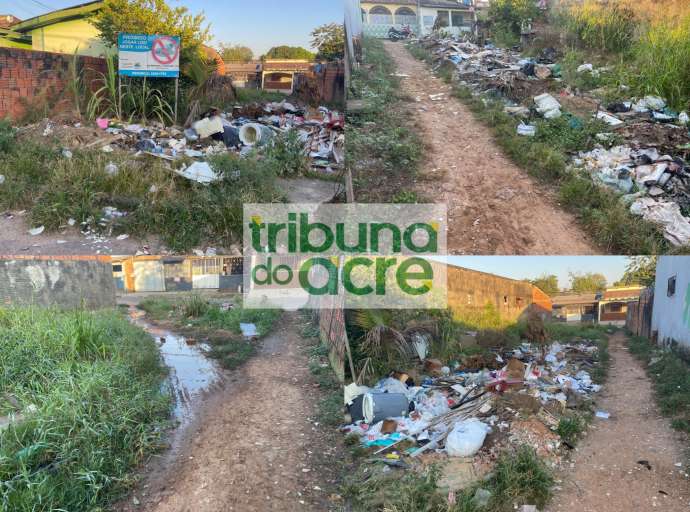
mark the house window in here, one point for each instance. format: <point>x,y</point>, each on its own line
<point>615,307</point>
<point>671,287</point>
<point>505,300</point>
<point>117,268</point>
<point>380,16</point>
<point>457,19</point>
<point>442,19</point>
<point>518,301</point>
<point>405,16</point>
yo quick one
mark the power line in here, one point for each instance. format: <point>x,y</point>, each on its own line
<point>43,5</point>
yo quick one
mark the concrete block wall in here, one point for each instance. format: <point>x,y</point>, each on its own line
<point>25,75</point>
<point>470,291</point>
<point>63,282</point>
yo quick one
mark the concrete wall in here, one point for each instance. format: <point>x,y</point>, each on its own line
<point>469,293</point>
<point>28,76</point>
<point>67,37</point>
<point>65,283</point>
<point>671,314</point>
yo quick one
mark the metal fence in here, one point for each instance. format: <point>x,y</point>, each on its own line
<point>381,31</point>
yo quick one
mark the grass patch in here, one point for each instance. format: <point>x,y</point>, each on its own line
<point>89,388</point>
<point>670,375</point>
<point>519,477</point>
<point>382,148</point>
<point>247,95</point>
<point>330,406</point>
<point>183,213</point>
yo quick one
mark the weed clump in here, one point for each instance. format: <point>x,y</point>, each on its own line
<point>88,406</point>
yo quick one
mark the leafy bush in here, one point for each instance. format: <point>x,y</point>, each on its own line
<point>507,17</point>
<point>286,155</point>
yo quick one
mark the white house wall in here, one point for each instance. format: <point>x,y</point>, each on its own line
<point>671,315</point>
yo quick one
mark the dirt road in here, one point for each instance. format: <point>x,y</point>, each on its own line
<point>15,240</point>
<point>494,207</point>
<point>605,475</point>
<point>254,446</point>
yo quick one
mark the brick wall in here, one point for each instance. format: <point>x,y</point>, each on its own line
<point>26,76</point>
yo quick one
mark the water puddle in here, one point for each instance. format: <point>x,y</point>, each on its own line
<point>191,372</point>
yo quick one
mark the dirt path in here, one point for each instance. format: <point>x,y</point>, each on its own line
<point>605,475</point>
<point>255,445</point>
<point>494,207</point>
<point>15,240</point>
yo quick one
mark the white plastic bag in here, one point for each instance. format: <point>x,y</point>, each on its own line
<point>466,438</point>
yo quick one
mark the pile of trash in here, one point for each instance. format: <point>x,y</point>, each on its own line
<point>657,187</point>
<point>489,69</point>
<point>650,166</point>
<point>454,409</point>
<point>321,131</point>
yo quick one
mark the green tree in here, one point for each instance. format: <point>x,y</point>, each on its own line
<point>330,41</point>
<point>289,52</point>
<point>235,53</point>
<point>152,17</point>
<point>640,270</point>
<point>590,282</point>
<point>548,283</point>
<point>508,15</point>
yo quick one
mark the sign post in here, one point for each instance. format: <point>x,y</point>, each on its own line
<point>149,55</point>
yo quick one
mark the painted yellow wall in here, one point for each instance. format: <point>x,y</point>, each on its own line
<point>66,36</point>
<point>391,7</point>
<point>6,43</point>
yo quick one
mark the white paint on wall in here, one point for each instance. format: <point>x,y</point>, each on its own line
<point>36,276</point>
<point>671,313</point>
<point>54,273</point>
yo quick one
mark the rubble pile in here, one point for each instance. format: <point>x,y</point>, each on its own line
<point>321,132</point>
<point>476,412</point>
<point>656,186</point>
<point>649,167</point>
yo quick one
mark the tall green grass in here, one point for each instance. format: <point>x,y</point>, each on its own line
<point>88,389</point>
<point>608,26</point>
<point>662,61</point>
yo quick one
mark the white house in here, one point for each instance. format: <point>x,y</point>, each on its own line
<point>671,313</point>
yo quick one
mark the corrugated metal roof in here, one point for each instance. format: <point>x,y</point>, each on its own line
<point>575,298</point>
<point>622,293</point>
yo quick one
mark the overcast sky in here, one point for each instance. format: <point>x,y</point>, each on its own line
<point>259,24</point>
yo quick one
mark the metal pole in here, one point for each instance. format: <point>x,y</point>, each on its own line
<point>119,95</point>
<point>177,91</point>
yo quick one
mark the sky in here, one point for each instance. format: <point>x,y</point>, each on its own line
<point>529,267</point>
<point>259,24</point>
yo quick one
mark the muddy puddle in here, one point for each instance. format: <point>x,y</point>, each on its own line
<point>192,373</point>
